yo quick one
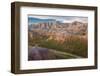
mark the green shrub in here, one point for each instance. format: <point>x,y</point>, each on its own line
<point>72,44</point>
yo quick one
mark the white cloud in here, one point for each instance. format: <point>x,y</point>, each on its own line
<point>65,19</point>
<point>84,20</point>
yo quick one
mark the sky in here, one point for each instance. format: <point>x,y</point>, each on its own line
<point>64,19</point>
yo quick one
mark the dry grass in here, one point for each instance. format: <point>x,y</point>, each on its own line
<point>75,44</point>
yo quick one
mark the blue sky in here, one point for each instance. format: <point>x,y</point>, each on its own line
<point>64,19</point>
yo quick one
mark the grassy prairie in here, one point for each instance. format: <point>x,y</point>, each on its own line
<point>73,44</point>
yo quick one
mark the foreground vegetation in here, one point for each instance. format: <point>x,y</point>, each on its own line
<point>73,44</point>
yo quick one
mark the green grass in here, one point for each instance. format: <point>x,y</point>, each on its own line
<point>72,45</point>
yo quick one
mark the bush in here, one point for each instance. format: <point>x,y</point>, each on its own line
<point>73,44</point>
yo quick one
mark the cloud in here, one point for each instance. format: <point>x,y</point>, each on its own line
<point>64,19</point>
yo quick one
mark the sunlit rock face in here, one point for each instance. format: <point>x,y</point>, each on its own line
<point>56,30</point>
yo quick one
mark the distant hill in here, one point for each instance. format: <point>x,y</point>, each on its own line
<point>52,25</point>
